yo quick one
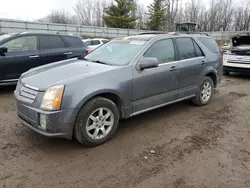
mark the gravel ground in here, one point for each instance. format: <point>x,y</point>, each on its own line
<point>179,146</point>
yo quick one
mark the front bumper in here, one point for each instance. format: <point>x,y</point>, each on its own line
<point>59,124</point>
<point>236,69</point>
<point>233,65</point>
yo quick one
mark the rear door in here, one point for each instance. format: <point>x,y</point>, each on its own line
<point>76,47</point>
<point>22,55</point>
<point>52,49</point>
<point>192,63</point>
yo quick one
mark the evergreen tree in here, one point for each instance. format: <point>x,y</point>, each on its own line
<point>121,14</point>
<point>156,15</point>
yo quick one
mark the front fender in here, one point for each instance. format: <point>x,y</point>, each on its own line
<point>99,92</point>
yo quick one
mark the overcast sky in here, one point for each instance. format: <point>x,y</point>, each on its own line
<point>34,9</point>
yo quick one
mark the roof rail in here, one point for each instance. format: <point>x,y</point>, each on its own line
<point>174,33</point>
<point>151,33</point>
<point>197,33</point>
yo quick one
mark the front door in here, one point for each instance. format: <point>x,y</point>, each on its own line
<point>22,55</point>
<point>192,64</point>
<point>157,86</point>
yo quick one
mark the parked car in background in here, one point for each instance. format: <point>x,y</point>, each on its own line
<point>237,59</point>
<point>20,52</point>
<point>94,43</point>
<point>87,97</point>
<point>226,47</point>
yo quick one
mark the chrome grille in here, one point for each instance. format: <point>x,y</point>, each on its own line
<point>28,93</point>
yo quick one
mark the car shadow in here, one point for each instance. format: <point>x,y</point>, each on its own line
<point>244,76</point>
<point>125,128</point>
<point>138,121</point>
<point>6,89</point>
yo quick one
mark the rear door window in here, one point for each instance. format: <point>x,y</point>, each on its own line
<point>186,48</point>
<point>211,44</point>
<point>51,42</point>
<point>162,50</point>
<point>73,41</point>
<point>95,42</point>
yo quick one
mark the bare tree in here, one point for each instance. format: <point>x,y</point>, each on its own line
<point>228,12</point>
<point>84,10</point>
<point>172,7</point>
<point>192,11</point>
<point>215,16</point>
<point>90,12</point>
<point>242,16</point>
<point>59,16</point>
<point>142,16</point>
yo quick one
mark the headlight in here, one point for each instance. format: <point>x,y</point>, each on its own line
<point>52,98</point>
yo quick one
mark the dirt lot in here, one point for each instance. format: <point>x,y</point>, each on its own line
<point>193,147</point>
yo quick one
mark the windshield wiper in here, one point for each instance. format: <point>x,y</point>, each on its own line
<point>98,61</point>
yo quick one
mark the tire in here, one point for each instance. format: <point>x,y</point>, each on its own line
<point>89,117</point>
<point>198,99</point>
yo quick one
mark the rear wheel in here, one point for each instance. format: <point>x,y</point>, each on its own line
<point>96,122</point>
<point>204,92</point>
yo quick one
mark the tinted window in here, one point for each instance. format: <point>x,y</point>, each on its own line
<point>95,42</point>
<point>186,48</point>
<point>74,42</point>
<point>27,43</point>
<point>211,44</point>
<point>162,50</point>
<point>50,42</point>
<point>197,49</point>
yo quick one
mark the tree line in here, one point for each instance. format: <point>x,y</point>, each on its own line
<point>160,15</point>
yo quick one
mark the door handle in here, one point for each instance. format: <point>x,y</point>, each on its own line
<point>173,68</point>
<point>202,62</point>
<point>68,53</point>
<point>33,56</point>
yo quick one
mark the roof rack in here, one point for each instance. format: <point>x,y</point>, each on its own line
<point>151,33</point>
<point>174,33</point>
<point>197,33</point>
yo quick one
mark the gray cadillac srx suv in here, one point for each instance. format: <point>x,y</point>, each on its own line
<point>86,97</point>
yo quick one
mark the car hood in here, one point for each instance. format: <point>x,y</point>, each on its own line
<point>62,72</point>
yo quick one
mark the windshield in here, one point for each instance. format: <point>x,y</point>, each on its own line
<point>116,52</point>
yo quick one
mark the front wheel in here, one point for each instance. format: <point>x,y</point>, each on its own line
<point>204,92</point>
<point>96,122</point>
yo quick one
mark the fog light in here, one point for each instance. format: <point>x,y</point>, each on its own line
<point>43,121</point>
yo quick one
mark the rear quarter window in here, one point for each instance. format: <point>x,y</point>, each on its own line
<point>210,43</point>
<point>73,41</point>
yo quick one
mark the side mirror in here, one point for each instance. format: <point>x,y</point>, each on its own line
<point>147,63</point>
<point>3,50</point>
